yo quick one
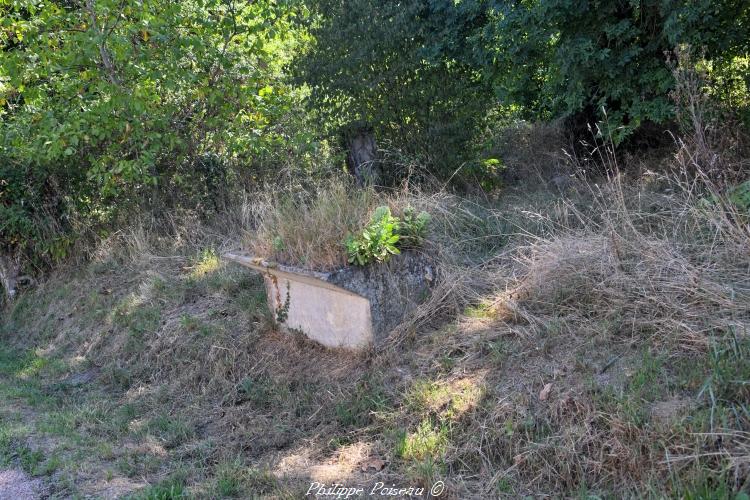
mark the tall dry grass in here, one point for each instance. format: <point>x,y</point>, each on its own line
<point>309,229</point>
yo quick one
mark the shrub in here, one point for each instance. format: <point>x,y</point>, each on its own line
<point>377,241</point>
<point>385,235</point>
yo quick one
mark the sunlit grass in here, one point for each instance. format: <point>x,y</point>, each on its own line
<point>447,399</point>
<point>427,441</point>
<point>208,262</point>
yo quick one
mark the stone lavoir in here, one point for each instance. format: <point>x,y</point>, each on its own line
<point>353,307</point>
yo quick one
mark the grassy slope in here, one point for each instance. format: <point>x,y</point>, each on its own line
<point>163,375</point>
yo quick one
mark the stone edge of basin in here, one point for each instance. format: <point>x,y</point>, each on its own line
<point>259,263</point>
<point>393,288</point>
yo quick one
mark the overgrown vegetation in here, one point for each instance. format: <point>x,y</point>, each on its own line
<point>385,235</point>
<point>577,172</point>
<point>600,349</point>
<point>111,108</point>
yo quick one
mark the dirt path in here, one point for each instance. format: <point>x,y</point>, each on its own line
<point>17,485</point>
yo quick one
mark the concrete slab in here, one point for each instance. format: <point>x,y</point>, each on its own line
<point>353,307</point>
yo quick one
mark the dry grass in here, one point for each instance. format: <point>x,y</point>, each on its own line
<point>674,282</point>
<point>590,345</point>
<point>309,229</point>
<point>531,152</point>
<point>618,299</point>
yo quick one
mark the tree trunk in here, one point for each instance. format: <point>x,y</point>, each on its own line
<point>362,158</point>
<point>10,267</point>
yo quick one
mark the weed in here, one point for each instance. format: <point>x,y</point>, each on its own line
<point>30,460</point>
<point>261,482</point>
<point>259,391</point>
<point>730,369</point>
<point>426,471</point>
<point>447,400</point>
<point>135,463</point>
<point>170,489</point>
<point>139,319</point>
<point>498,351</point>
<point>206,263</point>
<point>643,386</point>
<point>230,479</point>
<point>427,441</point>
<point>171,431</point>
<point>480,311</point>
<point>377,241</point>
<point>357,410</point>
<point>192,324</point>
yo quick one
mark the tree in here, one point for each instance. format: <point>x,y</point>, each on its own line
<point>403,70</point>
<point>584,58</point>
<point>110,105</point>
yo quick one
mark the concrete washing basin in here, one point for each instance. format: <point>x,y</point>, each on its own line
<point>352,307</point>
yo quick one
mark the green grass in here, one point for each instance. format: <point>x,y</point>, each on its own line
<point>170,431</point>
<point>229,480</point>
<point>647,384</point>
<point>140,321</point>
<point>498,351</point>
<point>358,408</point>
<point>169,489</point>
<point>429,440</point>
<point>481,311</point>
<point>261,391</point>
<point>192,324</point>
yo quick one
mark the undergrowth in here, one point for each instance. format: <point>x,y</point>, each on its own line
<point>594,344</point>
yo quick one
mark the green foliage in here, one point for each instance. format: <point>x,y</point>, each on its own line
<point>580,58</point>
<point>405,69</point>
<point>740,196</point>
<point>108,105</point>
<point>282,311</point>
<point>427,75</point>
<point>357,409</point>
<point>427,441</point>
<point>169,489</point>
<point>259,391</point>
<point>730,371</point>
<point>737,197</point>
<point>386,235</point>
<point>377,241</point>
<point>413,228</point>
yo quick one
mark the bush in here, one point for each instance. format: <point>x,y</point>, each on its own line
<point>377,241</point>
<point>385,235</point>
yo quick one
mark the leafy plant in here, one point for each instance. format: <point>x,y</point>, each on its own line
<point>377,241</point>
<point>740,196</point>
<point>104,104</point>
<point>413,228</point>
<point>386,235</point>
<point>425,75</point>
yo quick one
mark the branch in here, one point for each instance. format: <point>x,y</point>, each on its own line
<point>106,59</point>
